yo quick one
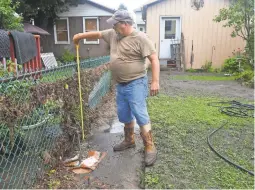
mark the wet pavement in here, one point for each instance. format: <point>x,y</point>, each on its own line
<point>117,169</point>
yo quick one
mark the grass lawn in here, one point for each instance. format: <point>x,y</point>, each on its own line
<point>181,127</point>
<point>203,77</point>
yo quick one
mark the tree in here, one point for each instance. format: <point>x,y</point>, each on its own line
<point>122,7</point>
<point>240,16</point>
<point>9,19</point>
<point>43,11</point>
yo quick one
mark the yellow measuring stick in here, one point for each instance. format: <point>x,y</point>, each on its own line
<point>80,93</point>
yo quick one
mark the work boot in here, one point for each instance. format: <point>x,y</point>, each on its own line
<point>128,142</point>
<point>149,147</point>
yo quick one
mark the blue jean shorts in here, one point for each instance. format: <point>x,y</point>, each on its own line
<point>131,101</point>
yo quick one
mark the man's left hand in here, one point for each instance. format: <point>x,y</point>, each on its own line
<point>154,88</point>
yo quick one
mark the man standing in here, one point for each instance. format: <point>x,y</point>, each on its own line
<point>128,51</point>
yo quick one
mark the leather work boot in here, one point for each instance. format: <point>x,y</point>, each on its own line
<point>150,149</point>
<point>128,142</point>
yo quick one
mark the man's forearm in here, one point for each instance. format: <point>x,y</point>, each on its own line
<point>155,69</point>
<point>90,35</point>
<point>87,35</point>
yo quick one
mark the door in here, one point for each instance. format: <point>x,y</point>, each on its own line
<point>170,35</point>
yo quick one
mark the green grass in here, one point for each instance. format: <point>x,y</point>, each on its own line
<point>180,127</point>
<point>203,77</point>
<point>57,75</point>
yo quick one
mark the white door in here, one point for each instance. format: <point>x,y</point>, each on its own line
<point>170,33</point>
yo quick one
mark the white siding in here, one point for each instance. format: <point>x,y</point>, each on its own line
<point>139,19</point>
<point>83,10</point>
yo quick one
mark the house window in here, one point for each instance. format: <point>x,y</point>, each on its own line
<point>61,31</point>
<point>90,24</point>
<point>170,29</point>
<point>141,29</point>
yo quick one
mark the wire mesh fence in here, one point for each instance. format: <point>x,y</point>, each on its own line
<point>39,115</point>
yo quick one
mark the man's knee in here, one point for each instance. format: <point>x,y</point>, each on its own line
<point>141,114</point>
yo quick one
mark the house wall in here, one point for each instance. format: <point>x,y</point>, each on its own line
<point>84,10</point>
<point>197,26</point>
<point>141,26</point>
<point>76,26</point>
<point>139,19</point>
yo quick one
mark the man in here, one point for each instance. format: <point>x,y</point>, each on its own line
<point>129,49</point>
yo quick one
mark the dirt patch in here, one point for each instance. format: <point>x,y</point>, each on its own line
<point>182,87</point>
<point>61,178</point>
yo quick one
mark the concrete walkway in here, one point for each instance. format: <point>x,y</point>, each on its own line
<point>117,169</point>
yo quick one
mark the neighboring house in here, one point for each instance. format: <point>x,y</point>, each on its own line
<point>87,16</point>
<point>184,30</point>
<point>140,24</point>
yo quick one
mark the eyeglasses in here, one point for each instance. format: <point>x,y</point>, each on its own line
<point>115,25</point>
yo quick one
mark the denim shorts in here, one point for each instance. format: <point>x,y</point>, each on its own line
<point>131,101</point>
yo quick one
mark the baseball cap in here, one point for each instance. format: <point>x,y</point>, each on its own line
<point>120,15</point>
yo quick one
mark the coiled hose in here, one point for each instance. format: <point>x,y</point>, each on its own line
<point>235,109</point>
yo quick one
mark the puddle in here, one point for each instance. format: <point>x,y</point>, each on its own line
<point>117,127</point>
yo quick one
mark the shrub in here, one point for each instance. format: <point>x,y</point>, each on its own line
<point>10,68</point>
<point>231,65</point>
<point>207,67</point>
<point>250,83</point>
<point>247,78</point>
<point>2,71</point>
<point>191,70</point>
<point>68,56</point>
<point>217,70</point>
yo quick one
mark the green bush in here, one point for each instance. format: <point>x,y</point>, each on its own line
<point>10,69</point>
<point>68,56</point>
<point>207,67</point>
<point>231,65</point>
<point>191,70</point>
<point>250,83</point>
<point>247,78</point>
<point>13,89</point>
<point>217,70</point>
<point>2,71</point>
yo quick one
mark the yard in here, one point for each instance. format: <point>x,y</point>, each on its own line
<point>65,113</point>
<point>182,121</point>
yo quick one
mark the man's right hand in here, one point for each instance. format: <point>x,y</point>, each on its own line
<point>76,39</point>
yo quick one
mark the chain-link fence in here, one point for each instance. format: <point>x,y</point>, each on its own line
<point>39,117</point>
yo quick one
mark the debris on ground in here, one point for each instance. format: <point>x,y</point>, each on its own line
<point>87,165</point>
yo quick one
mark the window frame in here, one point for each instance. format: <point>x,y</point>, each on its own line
<point>68,32</point>
<point>84,29</point>
<point>171,29</point>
